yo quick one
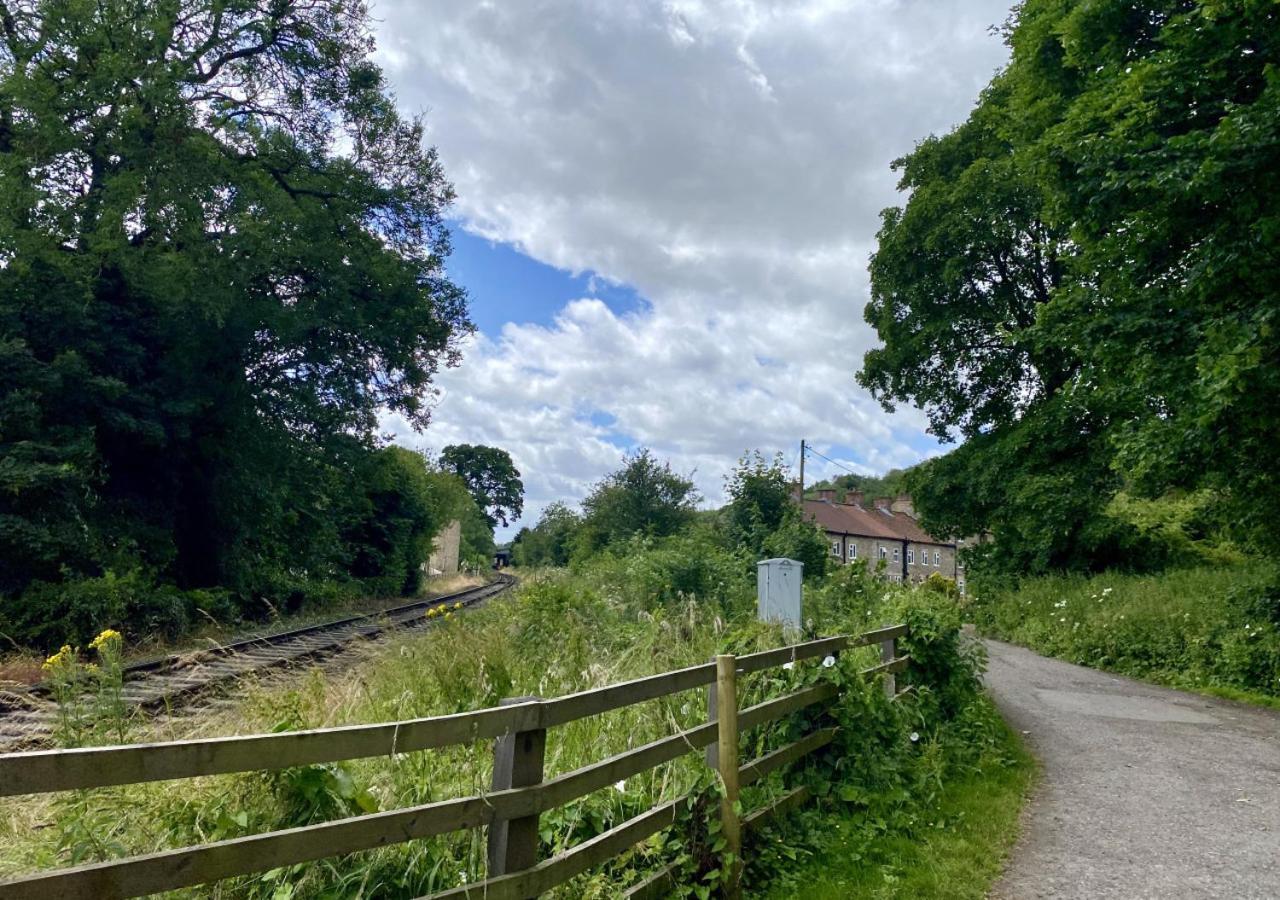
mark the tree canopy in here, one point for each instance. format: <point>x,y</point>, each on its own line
<point>643,497</point>
<point>221,259</point>
<point>492,478</point>
<point>1083,281</point>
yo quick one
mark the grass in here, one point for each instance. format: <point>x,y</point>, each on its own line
<point>1212,629</point>
<point>951,849</point>
<point>554,635</point>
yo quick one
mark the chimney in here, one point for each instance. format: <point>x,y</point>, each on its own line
<point>828,495</point>
<point>904,505</point>
<point>882,503</point>
<point>854,498</point>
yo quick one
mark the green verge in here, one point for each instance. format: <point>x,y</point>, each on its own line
<point>1210,629</point>
<point>951,846</point>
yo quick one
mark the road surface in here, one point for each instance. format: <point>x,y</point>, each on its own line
<point>1146,792</point>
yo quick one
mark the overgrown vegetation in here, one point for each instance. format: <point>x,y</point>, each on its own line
<point>221,260</point>
<point>949,844</point>
<point>1208,628</point>
<point>611,619</point>
<point>1082,285</point>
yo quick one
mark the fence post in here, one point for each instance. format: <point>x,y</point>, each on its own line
<point>727,714</point>
<point>713,756</point>
<point>888,653</point>
<point>517,762</point>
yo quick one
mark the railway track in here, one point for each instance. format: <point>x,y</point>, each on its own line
<point>168,682</point>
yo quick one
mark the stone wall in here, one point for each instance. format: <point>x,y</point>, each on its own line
<point>444,550</point>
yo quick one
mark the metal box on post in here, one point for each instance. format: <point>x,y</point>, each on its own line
<point>778,583</point>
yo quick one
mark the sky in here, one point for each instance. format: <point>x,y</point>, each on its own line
<point>664,215</point>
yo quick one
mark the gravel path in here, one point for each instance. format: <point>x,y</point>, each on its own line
<point>1146,792</point>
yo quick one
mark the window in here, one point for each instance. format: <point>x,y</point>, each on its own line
<point>961,589</point>
<point>835,548</point>
<point>937,557</point>
<point>853,550</point>
<point>895,554</point>
<point>883,553</point>
<point>911,556</point>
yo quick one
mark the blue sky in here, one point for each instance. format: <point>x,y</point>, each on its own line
<point>505,285</point>
<point>664,214</point>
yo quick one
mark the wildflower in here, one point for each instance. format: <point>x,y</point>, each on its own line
<point>432,613</point>
<point>108,636</point>
<point>59,659</point>
<point>828,662</point>
<point>788,665</point>
<point>620,786</point>
<point>448,615</point>
<point>458,605</point>
<point>915,736</point>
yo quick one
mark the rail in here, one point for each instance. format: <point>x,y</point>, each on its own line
<point>510,810</point>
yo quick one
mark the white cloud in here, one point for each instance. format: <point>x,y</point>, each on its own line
<point>727,159</point>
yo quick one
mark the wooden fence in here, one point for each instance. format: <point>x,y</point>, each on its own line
<point>510,811</point>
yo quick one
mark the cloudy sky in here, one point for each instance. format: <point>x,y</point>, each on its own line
<point>664,215</point>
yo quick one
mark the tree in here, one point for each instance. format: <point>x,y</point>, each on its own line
<point>958,277</point>
<point>643,497</point>
<point>1090,259</point>
<point>551,541</point>
<point>404,506</point>
<point>492,478</point>
<point>221,259</point>
<point>1163,157</point>
<point>764,519</point>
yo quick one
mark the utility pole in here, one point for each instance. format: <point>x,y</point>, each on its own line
<point>802,471</point>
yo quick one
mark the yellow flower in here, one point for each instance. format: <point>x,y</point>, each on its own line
<point>448,615</point>
<point>458,605</point>
<point>432,613</point>
<point>59,659</point>
<point>108,636</point>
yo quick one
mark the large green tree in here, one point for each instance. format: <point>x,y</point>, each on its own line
<point>1083,282</point>
<point>221,258</point>
<point>492,478</point>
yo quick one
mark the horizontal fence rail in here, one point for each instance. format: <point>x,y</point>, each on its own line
<point>61,770</point>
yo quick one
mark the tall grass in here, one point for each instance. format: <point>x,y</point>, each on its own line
<point>1209,628</point>
<point>556,634</point>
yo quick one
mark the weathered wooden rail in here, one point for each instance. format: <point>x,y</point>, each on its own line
<point>510,811</point>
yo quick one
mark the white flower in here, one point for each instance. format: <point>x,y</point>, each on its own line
<point>915,736</point>
<point>788,665</point>
<point>828,662</point>
<point>620,785</point>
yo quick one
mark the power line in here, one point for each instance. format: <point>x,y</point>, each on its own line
<point>809,448</point>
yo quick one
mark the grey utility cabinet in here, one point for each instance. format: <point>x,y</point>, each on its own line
<point>778,584</point>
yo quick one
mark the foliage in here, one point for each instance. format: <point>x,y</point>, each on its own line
<point>1082,282</point>
<point>492,478</point>
<point>404,505</point>
<point>1207,628</point>
<point>643,497</point>
<point>949,843</point>
<point>221,260</point>
<point>764,519</point>
<point>890,484</point>
<point>550,542</point>
<point>692,566</point>
<point>90,696</point>
<point>559,633</point>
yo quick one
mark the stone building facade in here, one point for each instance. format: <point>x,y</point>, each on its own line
<point>445,548</point>
<point>885,530</point>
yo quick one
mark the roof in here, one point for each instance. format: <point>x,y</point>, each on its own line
<point>845,518</point>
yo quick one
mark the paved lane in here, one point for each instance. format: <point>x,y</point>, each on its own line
<point>1146,792</point>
